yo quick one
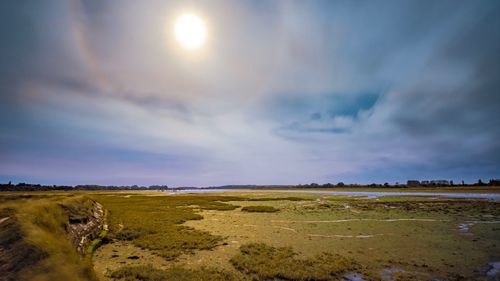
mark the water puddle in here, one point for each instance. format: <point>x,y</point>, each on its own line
<point>464,227</point>
<point>353,277</point>
<point>387,274</point>
<point>494,270</point>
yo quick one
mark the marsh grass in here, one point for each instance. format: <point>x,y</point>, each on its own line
<point>127,234</point>
<point>453,207</point>
<point>261,209</point>
<point>154,222</point>
<point>265,262</point>
<point>149,273</point>
<point>279,199</point>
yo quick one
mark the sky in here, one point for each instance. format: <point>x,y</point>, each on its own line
<point>282,92</point>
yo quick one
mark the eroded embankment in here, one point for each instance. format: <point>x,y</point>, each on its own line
<point>84,225</point>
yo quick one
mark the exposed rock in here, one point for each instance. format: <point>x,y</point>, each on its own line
<point>83,227</point>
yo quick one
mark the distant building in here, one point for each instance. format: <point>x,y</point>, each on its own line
<point>440,182</point>
<point>413,183</point>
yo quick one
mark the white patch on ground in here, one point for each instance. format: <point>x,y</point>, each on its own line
<point>286,228</point>
<point>464,228</point>
<point>3,219</point>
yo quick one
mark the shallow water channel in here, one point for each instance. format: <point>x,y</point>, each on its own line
<point>370,194</point>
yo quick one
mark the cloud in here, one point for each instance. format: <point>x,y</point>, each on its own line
<point>285,92</point>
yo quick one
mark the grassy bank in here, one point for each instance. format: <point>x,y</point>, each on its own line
<point>35,241</point>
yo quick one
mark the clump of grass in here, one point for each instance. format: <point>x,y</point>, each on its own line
<point>265,262</point>
<point>175,240</point>
<point>261,209</point>
<point>128,234</point>
<point>141,272</point>
<point>218,206</point>
<point>149,273</point>
<point>444,206</point>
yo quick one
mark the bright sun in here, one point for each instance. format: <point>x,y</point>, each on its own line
<point>190,31</point>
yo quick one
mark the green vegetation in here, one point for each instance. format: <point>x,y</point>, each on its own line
<point>455,207</point>
<point>149,273</point>
<point>278,199</point>
<point>261,209</point>
<point>154,222</point>
<point>127,234</point>
<point>269,263</point>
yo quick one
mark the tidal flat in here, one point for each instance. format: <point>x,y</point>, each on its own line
<point>372,238</point>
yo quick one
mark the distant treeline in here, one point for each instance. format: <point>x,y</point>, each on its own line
<point>411,183</point>
<point>38,187</point>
